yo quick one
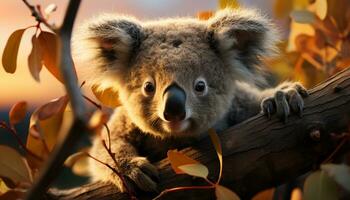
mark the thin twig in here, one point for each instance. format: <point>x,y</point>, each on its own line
<point>19,141</point>
<point>39,17</point>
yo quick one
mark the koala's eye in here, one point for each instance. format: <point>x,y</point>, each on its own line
<point>200,86</point>
<point>148,87</point>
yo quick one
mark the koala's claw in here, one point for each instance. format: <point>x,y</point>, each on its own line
<point>285,100</point>
<point>142,173</point>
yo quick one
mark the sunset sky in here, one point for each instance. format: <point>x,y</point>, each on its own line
<point>14,15</point>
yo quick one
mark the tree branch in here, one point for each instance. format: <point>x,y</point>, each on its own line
<point>258,153</point>
<point>65,147</point>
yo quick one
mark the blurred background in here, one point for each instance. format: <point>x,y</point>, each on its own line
<point>315,45</point>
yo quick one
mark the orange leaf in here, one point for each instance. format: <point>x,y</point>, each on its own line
<point>228,4</point>
<point>177,159</point>
<point>9,57</point>
<point>205,15</point>
<point>52,108</point>
<point>48,43</point>
<point>35,58</point>
<point>18,112</point>
<point>223,193</point>
<point>282,8</point>
<point>265,194</point>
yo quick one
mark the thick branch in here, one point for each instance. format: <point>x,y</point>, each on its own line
<point>258,153</point>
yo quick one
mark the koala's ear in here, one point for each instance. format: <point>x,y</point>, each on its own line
<point>243,34</point>
<point>107,41</point>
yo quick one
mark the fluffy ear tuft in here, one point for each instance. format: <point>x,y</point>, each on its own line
<point>244,34</point>
<point>104,45</point>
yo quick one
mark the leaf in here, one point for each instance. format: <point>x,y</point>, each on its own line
<point>107,96</point>
<point>35,58</point>
<point>297,194</point>
<point>178,159</point>
<point>228,4</point>
<point>265,194</point>
<point>97,120</point>
<point>282,8</point>
<point>223,193</point>
<point>300,4</point>
<point>197,170</point>
<point>205,15</point>
<point>319,185</point>
<point>54,107</point>
<point>339,11</point>
<point>303,16</point>
<point>9,57</point>
<point>18,112</point>
<point>216,142</point>
<point>321,8</point>
<point>340,173</point>
<point>48,43</point>
<point>43,133</point>
<point>78,162</point>
<point>49,10</point>
<point>3,187</point>
<point>13,165</point>
<point>296,30</point>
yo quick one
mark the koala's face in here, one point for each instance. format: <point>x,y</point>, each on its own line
<point>176,77</point>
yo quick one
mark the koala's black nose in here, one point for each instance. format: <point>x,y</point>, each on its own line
<point>175,99</point>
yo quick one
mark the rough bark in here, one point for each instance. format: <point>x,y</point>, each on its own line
<point>258,153</point>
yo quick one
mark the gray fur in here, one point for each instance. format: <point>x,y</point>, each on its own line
<point>226,51</point>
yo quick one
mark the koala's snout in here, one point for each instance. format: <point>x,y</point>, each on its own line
<point>174,98</point>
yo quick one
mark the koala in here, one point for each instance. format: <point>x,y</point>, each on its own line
<point>176,78</point>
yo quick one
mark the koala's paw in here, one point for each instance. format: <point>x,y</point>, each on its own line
<point>286,99</point>
<point>142,173</point>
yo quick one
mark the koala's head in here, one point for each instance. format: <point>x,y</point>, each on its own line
<point>175,77</point>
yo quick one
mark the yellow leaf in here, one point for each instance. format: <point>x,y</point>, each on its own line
<point>303,16</point>
<point>78,162</point>
<point>18,112</point>
<point>339,172</point>
<point>228,4</point>
<point>319,185</point>
<point>9,57</point>
<point>321,8</point>
<point>13,166</point>
<point>35,58</point>
<point>177,159</point>
<point>282,8</point>
<point>216,141</point>
<point>107,96</point>
<point>223,193</point>
<point>296,30</point>
<point>3,187</point>
<point>97,119</point>
<point>300,4</point>
<point>297,194</point>
<point>197,170</point>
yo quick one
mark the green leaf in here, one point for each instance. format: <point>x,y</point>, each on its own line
<point>340,173</point>
<point>9,57</point>
<point>197,170</point>
<point>13,165</point>
<point>320,186</point>
<point>223,193</point>
<point>35,59</point>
